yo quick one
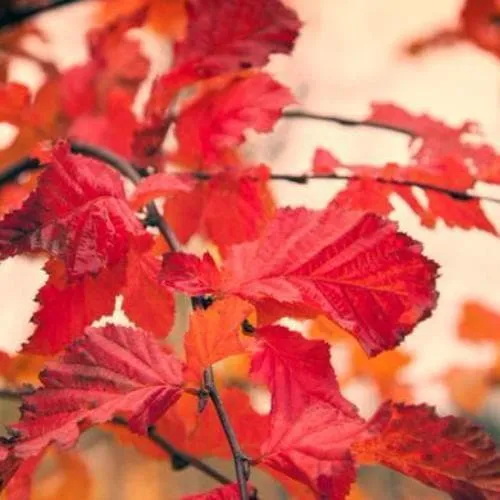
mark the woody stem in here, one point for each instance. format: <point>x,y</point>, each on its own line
<point>241,463</point>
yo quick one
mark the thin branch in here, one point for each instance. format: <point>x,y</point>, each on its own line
<point>452,193</point>
<point>12,15</point>
<point>241,462</point>
<point>306,178</point>
<point>179,456</point>
<point>346,122</point>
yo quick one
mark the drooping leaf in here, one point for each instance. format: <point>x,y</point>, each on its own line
<point>77,213</point>
<point>214,334</point>
<point>353,266</point>
<point>108,371</point>
<point>216,122</point>
<point>312,425</point>
<point>229,35</point>
<point>448,453</point>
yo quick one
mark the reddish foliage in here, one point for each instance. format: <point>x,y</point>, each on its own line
<point>215,123</point>
<point>229,35</point>
<point>480,22</point>
<point>343,265</point>
<point>459,458</point>
<point>377,290</point>
<point>108,371</point>
<point>205,210</point>
<point>77,213</point>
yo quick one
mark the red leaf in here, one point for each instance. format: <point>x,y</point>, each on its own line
<point>480,23</point>
<point>312,425</point>
<point>217,121</point>
<point>14,101</point>
<point>371,188</point>
<point>353,266</point>
<point>214,334</point>
<point>101,129</point>
<point>227,492</point>
<point>439,142</point>
<point>66,309</point>
<point>205,210</point>
<point>148,303</point>
<point>77,213</point>
<point>202,434</point>
<point>448,453</point>
<point>229,35</point>
<point>158,185</point>
<point>189,273</point>
<point>20,484</point>
<point>111,370</point>
<point>296,370</point>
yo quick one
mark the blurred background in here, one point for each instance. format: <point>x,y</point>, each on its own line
<point>349,54</point>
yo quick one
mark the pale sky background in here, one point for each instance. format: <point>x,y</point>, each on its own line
<point>349,54</point>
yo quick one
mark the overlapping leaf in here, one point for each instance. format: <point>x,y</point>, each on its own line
<point>78,213</point>
<point>111,370</point>
<point>205,209</point>
<point>216,122</point>
<point>352,266</point>
<point>448,453</point>
<point>371,188</point>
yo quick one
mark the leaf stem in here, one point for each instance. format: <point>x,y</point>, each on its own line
<point>241,462</point>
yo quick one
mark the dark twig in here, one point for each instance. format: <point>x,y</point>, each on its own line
<point>346,122</point>
<point>12,14</point>
<point>179,456</point>
<point>452,193</point>
<point>241,462</point>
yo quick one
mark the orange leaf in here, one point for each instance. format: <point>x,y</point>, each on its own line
<point>479,323</point>
<point>164,16</point>
<point>214,334</point>
<point>469,388</point>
